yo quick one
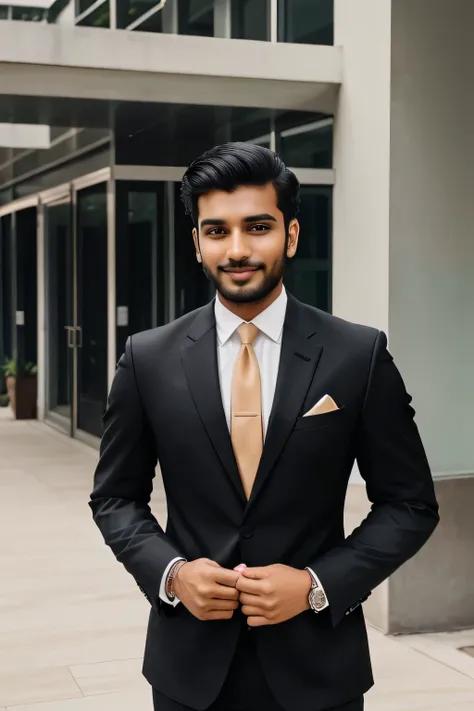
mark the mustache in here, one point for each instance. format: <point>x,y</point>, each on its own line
<point>240,264</point>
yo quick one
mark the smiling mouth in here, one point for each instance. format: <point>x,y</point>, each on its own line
<point>241,273</point>
<point>240,270</point>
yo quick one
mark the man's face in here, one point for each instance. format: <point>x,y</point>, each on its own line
<point>242,242</point>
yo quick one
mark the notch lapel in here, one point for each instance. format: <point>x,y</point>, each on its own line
<point>298,362</point>
<point>199,358</point>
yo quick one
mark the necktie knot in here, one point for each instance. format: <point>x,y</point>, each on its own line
<point>248,332</point>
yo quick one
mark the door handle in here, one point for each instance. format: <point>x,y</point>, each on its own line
<point>79,333</point>
<point>70,337</point>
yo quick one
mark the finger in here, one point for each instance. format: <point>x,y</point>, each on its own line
<point>253,587</point>
<point>240,568</point>
<point>257,621</point>
<point>255,573</point>
<point>224,592</point>
<point>251,611</point>
<point>254,600</point>
<point>221,605</point>
<point>221,615</point>
<point>225,577</point>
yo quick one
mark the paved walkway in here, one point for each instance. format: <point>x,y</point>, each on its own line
<point>72,622</point>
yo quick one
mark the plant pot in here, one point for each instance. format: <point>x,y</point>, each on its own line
<point>11,388</point>
<point>25,395</point>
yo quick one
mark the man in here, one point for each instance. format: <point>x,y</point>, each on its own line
<point>256,407</point>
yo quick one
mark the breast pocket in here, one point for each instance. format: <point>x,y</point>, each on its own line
<point>315,422</point>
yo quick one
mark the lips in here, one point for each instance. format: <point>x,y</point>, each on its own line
<point>241,274</point>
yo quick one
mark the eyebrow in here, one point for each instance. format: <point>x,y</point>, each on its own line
<point>264,217</point>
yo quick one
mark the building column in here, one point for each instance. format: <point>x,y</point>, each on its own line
<point>432,292</point>
<point>404,260</point>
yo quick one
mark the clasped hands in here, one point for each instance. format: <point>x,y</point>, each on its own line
<point>268,595</point>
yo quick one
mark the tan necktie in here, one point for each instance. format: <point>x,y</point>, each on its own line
<point>246,409</point>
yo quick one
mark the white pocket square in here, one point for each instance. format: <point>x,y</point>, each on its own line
<point>326,404</point>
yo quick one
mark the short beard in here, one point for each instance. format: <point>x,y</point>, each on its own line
<point>252,295</point>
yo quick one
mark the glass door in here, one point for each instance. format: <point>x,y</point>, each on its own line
<point>91,307</point>
<point>60,340</point>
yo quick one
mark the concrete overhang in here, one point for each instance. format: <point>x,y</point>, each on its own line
<point>20,135</point>
<point>49,61</point>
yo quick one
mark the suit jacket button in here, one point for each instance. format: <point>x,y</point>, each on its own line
<point>248,532</point>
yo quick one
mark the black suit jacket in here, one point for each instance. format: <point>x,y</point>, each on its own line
<point>165,405</point>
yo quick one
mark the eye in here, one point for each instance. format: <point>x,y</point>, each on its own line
<point>259,228</point>
<point>216,232</point>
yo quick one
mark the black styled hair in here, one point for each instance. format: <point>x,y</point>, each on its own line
<point>234,165</point>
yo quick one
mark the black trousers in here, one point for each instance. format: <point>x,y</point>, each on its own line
<point>245,688</point>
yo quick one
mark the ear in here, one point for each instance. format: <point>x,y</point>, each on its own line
<point>196,246</point>
<point>293,237</point>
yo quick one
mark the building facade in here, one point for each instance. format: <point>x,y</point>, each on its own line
<point>104,103</point>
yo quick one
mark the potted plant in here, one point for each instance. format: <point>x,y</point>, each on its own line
<point>21,388</point>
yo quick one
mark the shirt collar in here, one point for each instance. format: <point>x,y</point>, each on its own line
<point>270,322</point>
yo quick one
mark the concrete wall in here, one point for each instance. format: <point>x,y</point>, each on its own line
<point>432,221</point>
<point>362,163</point>
<point>404,262</point>
<point>432,291</point>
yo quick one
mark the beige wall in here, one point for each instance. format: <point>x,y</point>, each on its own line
<point>431,321</point>
<point>362,163</point>
<point>404,262</point>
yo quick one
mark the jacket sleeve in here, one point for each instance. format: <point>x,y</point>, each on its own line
<point>123,483</point>
<point>404,511</point>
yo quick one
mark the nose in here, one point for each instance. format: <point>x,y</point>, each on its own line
<point>239,249</point>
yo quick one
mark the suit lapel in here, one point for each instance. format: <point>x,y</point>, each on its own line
<point>298,362</point>
<point>199,357</point>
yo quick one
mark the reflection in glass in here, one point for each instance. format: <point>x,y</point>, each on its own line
<point>92,307</point>
<point>83,5</point>
<point>307,146</point>
<point>142,242</point>
<point>308,275</point>
<point>100,17</point>
<point>6,288</point>
<point>192,287</point>
<point>250,20</point>
<point>196,17</point>
<point>60,307</point>
<point>129,11</point>
<point>139,258</point>
<point>29,14</point>
<point>306,21</point>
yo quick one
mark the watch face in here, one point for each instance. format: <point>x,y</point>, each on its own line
<point>317,599</point>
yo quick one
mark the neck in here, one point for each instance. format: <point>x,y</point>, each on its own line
<point>249,311</point>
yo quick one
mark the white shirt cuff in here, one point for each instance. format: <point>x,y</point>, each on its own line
<point>163,596</point>
<point>319,583</point>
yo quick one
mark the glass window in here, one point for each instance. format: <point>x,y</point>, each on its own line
<point>308,145</point>
<point>3,13</point>
<point>6,288</point>
<point>192,288</point>
<point>83,5</point>
<point>154,23</point>
<point>100,17</point>
<point>250,19</point>
<point>92,313</point>
<point>26,283</point>
<point>196,17</point>
<point>60,307</point>
<point>306,21</point>
<point>308,275</point>
<point>129,11</point>
<point>29,14</point>
<point>140,249</point>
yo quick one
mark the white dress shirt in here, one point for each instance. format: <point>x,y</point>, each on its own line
<point>267,347</point>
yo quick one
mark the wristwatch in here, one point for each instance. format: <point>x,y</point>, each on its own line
<point>317,598</point>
